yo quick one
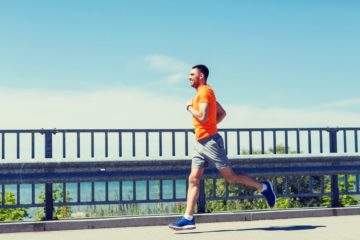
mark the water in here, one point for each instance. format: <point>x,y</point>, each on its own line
<point>129,190</point>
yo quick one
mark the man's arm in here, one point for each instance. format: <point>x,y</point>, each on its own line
<point>202,114</point>
<point>220,113</point>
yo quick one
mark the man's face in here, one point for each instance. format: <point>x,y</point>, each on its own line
<point>194,77</point>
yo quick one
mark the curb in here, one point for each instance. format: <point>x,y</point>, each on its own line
<point>77,224</point>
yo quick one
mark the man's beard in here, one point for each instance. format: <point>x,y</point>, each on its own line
<point>195,84</point>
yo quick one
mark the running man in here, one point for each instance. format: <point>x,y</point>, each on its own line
<point>207,113</point>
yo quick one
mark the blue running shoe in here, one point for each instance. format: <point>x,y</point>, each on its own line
<point>183,224</point>
<point>269,194</point>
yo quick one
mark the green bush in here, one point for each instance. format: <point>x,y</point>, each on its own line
<point>12,214</point>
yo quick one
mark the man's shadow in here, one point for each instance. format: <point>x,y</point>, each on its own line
<point>275,228</point>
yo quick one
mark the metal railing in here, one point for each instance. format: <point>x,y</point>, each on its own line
<point>110,164</point>
<point>155,143</point>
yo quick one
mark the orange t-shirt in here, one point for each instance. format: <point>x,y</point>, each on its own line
<point>205,129</point>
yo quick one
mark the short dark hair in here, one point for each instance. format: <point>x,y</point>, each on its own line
<point>203,69</point>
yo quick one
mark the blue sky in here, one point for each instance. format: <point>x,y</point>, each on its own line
<point>278,57</point>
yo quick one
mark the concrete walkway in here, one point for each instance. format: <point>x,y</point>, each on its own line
<point>317,228</point>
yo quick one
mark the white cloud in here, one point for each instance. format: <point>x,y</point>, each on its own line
<point>131,108</point>
<point>174,78</point>
<point>120,108</point>
<point>345,103</point>
<point>249,117</point>
<point>175,70</point>
<point>164,63</point>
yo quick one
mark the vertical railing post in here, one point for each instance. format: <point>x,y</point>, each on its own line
<point>201,200</point>
<point>48,144</point>
<point>334,178</point>
<point>49,201</point>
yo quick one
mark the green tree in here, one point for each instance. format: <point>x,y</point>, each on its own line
<point>58,196</point>
<point>344,199</point>
<point>12,214</point>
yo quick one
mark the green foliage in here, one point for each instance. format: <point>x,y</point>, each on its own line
<point>344,199</point>
<point>288,203</point>
<point>280,149</point>
<point>12,214</point>
<point>58,196</point>
<point>180,207</point>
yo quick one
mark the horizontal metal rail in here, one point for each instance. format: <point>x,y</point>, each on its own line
<point>46,172</point>
<point>62,144</point>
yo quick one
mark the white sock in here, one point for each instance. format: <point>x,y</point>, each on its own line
<point>264,187</point>
<point>188,217</point>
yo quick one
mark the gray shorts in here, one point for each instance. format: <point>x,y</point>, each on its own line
<point>210,150</point>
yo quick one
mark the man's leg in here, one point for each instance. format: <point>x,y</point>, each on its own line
<point>188,221</point>
<point>232,177</point>
<point>193,190</point>
<point>264,187</point>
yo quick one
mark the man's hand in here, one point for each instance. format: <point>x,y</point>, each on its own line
<point>189,103</point>
<point>201,114</point>
<point>220,113</point>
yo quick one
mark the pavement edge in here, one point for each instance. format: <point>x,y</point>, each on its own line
<point>78,224</point>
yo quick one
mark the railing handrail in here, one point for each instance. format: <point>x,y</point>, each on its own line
<point>45,172</point>
<point>169,129</point>
<point>297,139</point>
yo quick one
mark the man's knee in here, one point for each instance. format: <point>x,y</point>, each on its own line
<point>194,180</point>
<point>231,178</point>
<point>229,175</point>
